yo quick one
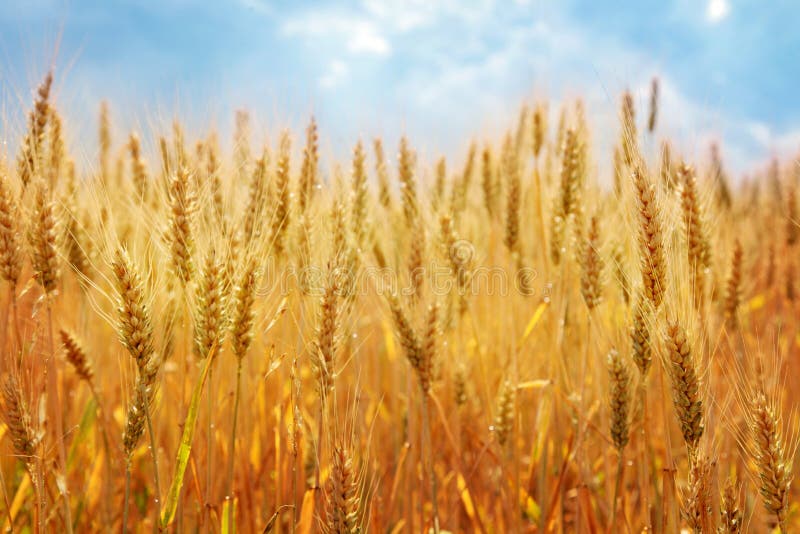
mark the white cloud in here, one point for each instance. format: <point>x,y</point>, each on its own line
<point>369,29</point>
<point>402,15</point>
<point>542,54</point>
<point>337,71</point>
<point>760,132</point>
<point>358,33</point>
<point>367,39</point>
<point>717,10</point>
<point>784,143</point>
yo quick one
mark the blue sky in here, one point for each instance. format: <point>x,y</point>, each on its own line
<point>441,71</point>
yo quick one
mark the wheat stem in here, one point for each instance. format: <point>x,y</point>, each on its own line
<point>617,485</point>
<point>428,454</point>
<point>127,495</point>
<point>154,455</point>
<point>56,409</point>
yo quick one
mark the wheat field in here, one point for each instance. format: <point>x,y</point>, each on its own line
<point>263,340</point>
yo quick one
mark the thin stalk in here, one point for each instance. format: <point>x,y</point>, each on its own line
<point>6,501</point>
<point>515,452</point>
<point>39,492</point>
<point>428,455</point>
<point>617,484</point>
<point>295,424</point>
<point>186,343</point>
<point>645,464</point>
<point>514,428</point>
<point>668,471</point>
<point>52,385</point>
<point>412,461</point>
<point>154,454</point>
<point>294,488</point>
<point>106,446</point>
<point>279,453</point>
<point>317,492</point>
<point>582,460</point>
<point>127,494</point>
<point>232,454</point>
<point>456,507</point>
<point>209,442</point>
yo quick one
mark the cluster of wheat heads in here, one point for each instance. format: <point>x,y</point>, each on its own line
<point>265,341</point>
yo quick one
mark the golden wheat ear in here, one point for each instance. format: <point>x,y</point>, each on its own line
<point>210,306</point>
<point>32,151</point>
<point>343,491</point>
<point>42,237</point>
<point>733,286</point>
<point>309,167</point>
<point>104,138</point>
<point>360,195</point>
<point>697,245</point>
<point>138,168</point>
<point>281,217</point>
<point>539,127</point>
<point>653,262</point>
<point>513,184</point>
<point>697,503</point>
<point>619,399</point>
<point>504,413</point>
<point>408,184</point>
<point>76,356</point>
<point>488,181</point>
<point>686,394</point>
<point>568,201</point>
<point>731,516</point>
<point>134,327</point>
<point>384,188</point>
<point>641,347</point>
<point>18,419</point>
<point>651,119</point>
<point>630,146</point>
<point>243,315</point>
<point>181,232</point>
<point>592,266</point>
<point>10,245</point>
<point>773,459</point>
<point>324,356</point>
